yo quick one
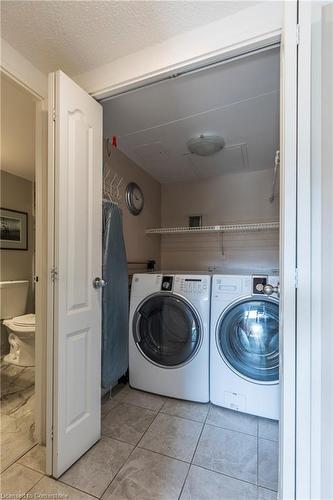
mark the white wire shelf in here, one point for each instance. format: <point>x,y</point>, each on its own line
<point>224,228</point>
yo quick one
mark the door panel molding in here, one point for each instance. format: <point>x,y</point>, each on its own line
<point>76,146</point>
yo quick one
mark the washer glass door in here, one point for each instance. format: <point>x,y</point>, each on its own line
<point>247,337</point>
<point>167,330</point>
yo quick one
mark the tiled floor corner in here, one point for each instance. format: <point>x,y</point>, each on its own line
<point>229,452</point>
<point>172,436</point>
<point>57,489</point>
<point>35,459</point>
<point>157,448</point>
<point>18,480</point>
<point>96,469</point>
<point>150,476</point>
<point>205,484</point>
<point>186,409</point>
<point>145,400</point>
<point>127,422</point>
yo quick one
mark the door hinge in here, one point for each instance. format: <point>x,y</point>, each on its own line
<point>52,434</point>
<point>54,273</point>
<point>54,115</point>
<point>296,278</point>
<point>298,34</point>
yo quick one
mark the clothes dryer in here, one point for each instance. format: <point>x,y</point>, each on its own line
<point>169,335</point>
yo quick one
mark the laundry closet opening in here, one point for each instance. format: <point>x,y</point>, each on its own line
<point>191,271</point>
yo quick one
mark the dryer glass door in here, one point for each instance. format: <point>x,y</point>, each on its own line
<point>248,339</point>
<point>167,330</point>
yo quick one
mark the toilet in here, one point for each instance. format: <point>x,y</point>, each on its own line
<point>21,340</point>
<point>20,326</point>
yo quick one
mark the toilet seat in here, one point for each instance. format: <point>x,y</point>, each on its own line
<point>27,320</point>
<point>25,324</point>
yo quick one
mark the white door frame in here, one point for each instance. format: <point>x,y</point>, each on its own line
<point>40,251</point>
<point>326,270</point>
<point>41,268</point>
<point>303,259</point>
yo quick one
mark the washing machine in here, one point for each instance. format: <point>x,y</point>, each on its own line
<point>244,349</point>
<point>169,335</point>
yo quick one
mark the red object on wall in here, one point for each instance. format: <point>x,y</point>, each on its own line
<point>114,141</point>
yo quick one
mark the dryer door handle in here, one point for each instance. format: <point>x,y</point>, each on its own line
<point>136,332</point>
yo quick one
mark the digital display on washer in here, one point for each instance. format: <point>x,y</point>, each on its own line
<point>188,279</point>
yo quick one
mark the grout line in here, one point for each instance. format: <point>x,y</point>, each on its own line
<point>233,477</point>
<point>184,418</point>
<point>131,404</point>
<point>59,480</point>
<point>129,456</point>
<point>116,439</point>
<point>268,439</point>
<point>232,430</point>
<point>32,487</point>
<point>31,468</point>
<point>161,411</point>
<point>149,426</point>
<point>258,452</point>
<point>163,455</point>
<point>19,457</point>
<point>202,429</point>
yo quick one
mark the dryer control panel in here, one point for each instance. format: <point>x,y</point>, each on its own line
<point>191,284</point>
<point>167,282</point>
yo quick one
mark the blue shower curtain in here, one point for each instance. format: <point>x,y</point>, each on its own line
<point>115,297</point>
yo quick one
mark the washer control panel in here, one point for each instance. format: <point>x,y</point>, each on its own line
<point>258,283</point>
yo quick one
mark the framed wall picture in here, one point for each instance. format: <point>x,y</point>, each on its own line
<point>13,229</point>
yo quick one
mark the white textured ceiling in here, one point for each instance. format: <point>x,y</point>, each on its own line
<point>78,36</point>
<point>238,101</point>
<point>17,130</point>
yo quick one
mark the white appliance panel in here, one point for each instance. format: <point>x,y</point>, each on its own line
<point>227,387</point>
<point>189,380</point>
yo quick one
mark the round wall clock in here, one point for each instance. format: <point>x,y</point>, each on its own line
<point>134,198</point>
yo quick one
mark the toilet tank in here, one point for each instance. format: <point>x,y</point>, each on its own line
<point>13,298</point>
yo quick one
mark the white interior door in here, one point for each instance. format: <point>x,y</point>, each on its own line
<point>76,148</point>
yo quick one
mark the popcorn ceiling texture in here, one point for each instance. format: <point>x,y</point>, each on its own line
<point>78,36</point>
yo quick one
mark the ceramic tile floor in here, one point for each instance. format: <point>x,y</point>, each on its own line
<point>17,412</point>
<point>158,448</point>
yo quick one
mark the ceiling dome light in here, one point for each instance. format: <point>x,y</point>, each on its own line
<point>205,145</point>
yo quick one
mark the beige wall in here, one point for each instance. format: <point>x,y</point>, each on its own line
<point>234,198</point>
<point>139,246</point>
<point>17,194</point>
<point>18,108</point>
